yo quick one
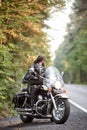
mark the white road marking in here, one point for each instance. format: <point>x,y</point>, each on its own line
<point>78,106</point>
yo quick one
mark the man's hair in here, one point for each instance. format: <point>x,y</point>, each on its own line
<point>39,59</point>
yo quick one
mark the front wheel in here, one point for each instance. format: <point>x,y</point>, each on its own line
<point>60,115</point>
<point>26,119</point>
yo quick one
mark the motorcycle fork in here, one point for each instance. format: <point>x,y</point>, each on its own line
<point>53,101</point>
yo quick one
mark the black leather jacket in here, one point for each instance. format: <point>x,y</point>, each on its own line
<point>33,77</point>
<point>39,69</point>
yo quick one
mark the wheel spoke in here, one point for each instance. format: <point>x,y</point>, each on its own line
<point>60,110</point>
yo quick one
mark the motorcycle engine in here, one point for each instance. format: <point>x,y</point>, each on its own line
<point>41,107</point>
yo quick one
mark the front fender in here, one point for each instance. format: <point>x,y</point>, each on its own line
<point>62,96</point>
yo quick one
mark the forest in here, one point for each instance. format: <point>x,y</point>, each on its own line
<point>21,41</point>
<point>71,56</point>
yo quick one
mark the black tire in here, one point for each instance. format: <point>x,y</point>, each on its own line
<point>26,119</point>
<point>65,114</point>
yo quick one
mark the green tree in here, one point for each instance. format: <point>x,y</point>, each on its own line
<point>72,54</point>
<point>21,41</point>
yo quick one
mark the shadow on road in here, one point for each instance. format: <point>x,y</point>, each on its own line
<point>20,125</point>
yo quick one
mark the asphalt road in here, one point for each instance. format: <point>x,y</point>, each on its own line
<point>77,119</point>
<point>78,94</point>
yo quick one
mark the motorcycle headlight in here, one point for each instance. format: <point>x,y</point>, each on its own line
<point>58,85</point>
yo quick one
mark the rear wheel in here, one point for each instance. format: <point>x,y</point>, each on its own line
<point>60,115</point>
<point>26,119</point>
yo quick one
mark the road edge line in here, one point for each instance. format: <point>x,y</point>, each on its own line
<point>78,106</point>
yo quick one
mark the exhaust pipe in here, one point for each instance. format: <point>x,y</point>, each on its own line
<point>23,110</point>
<point>24,113</point>
<point>28,112</point>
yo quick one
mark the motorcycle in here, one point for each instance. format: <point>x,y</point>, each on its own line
<point>52,101</point>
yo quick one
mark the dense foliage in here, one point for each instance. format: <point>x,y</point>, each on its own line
<point>21,41</point>
<point>72,54</point>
